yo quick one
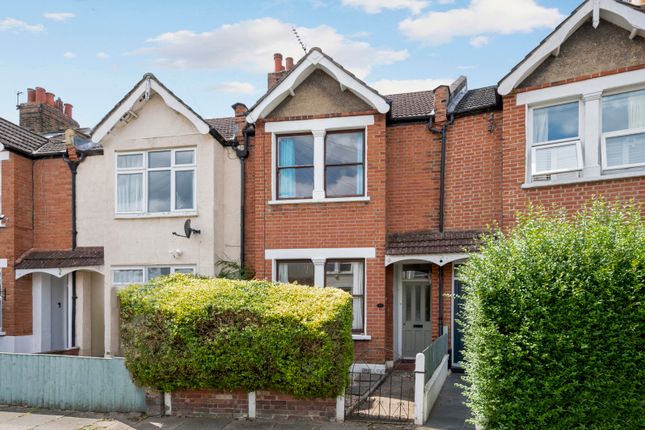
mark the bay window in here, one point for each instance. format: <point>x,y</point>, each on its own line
<point>155,181</point>
<point>344,160</point>
<point>623,130</point>
<point>555,144</point>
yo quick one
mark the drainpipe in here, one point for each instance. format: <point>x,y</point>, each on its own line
<point>73,166</point>
<point>242,154</point>
<point>442,197</point>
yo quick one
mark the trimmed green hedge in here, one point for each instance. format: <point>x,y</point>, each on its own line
<point>554,322</point>
<point>185,331</point>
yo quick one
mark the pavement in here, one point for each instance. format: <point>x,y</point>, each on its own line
<point>449,413</point>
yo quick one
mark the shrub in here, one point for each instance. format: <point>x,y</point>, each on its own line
<point>185,331</point>
<point>554,322</point>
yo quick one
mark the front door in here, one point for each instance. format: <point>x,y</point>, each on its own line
<point>457,333</point>
<point>58,308</point>
<point>417,319</point>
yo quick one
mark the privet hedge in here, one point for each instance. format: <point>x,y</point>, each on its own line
<point>185,331</point>
<point>554,322</point>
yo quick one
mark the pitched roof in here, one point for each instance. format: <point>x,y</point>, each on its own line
<point>19,139</point>
<point>133,96</point>
<point>477,99</point>
<point>314,59</point>
<point>615,11</point>
<point>432,242</point>
<point>60,258</point>
<point>227,126</point>
<point>419,104</point>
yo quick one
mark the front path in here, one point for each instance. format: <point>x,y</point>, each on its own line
<point>449,412</point>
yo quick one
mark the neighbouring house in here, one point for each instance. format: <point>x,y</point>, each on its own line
<point>382,195</point>
<point>162,173</point>
<point>37,257</point>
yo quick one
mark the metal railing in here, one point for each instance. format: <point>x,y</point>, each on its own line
<point>434,354</point>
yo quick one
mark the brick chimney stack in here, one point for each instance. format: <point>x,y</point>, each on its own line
<point>43,113</point>
<point>441,100</point>
<point>278,70</point>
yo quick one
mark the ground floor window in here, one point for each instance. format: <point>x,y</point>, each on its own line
<point>348,275</point>
<point>139,275</point>
<point>296,272</point>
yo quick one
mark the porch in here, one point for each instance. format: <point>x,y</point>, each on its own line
<point>67,299</point>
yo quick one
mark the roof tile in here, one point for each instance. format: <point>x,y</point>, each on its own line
<point>432,242</point>
<point>61,258</point>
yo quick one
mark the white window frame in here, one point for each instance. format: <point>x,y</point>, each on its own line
<point>319,257</point>
<point>589,93</point>
<point>3,264</point>
<point>145,169</point>
<point>144,270</point>
<point>4,155</point>
<point>618,133</point>
<point>318,128</point>
<point>534,147</point>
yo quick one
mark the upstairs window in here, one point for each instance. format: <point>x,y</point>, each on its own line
<point>556,143</point>
<point>295,166</point>
<point>344,160</point>
<point>155,181</point>
<point>623,130</point>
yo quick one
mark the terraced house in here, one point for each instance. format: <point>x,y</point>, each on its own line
<point>324,182</point>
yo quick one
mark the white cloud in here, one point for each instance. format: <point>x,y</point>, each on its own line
<point>235,87</point>
<point>480,17</point>
<point>69,55</point>
<point>394,86</point>
<point>377,6</point>
<point>18,25</point>
<point>250,45</point>
<point>59,16</point>
<point>102,55</point>
<point>479,41</point>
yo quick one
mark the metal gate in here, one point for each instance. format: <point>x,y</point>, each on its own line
<point>380,392</point>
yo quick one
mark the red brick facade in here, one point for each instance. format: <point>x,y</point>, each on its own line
<point>36,200</point>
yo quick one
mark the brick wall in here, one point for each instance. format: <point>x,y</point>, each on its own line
<point>36,198</point>
<point>271,405</point>
<point>209,402</point>
<point>569,196</point>
<point>324,225</point>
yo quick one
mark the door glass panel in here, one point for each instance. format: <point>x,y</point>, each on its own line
<point>418,302</point>
<point>428,291</point>
<point>408,304</point>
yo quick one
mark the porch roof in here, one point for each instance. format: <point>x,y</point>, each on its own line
<point>432,242</point>
<point>83,256</point>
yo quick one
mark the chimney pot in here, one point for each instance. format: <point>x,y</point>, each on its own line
<point>59,104</point>
<point>289,63</point>
<point>40,95</point>
<point>68,110</point>
<point>240,109</point>
<point>31,95</point>
<point>277,59</point>
<point>50,99</point>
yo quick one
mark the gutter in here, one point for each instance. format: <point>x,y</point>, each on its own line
<point>242,154</point>
<point>442,197</point>
<point>73,167</point>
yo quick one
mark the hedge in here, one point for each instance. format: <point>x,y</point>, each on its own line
<point>554,322</point>
<point>191,332</point>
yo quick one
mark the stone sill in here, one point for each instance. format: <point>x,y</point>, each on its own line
<point>157,215</point>
<point>329,200</point>
<point>361,337</point>
<point>606,177</point>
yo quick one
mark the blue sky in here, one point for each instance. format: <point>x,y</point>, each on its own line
<point>213,54</point>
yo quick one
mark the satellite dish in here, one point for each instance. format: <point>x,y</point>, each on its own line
<point>188,230</point>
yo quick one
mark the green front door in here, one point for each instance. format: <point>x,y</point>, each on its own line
<point>417,318</point>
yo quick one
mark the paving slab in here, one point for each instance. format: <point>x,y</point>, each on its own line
<point>250,425</point>
<point>449,411</point>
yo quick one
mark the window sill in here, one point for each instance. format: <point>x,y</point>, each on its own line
<point>156,215</point>
<point>605,177</point>
<point>361,337</point>
<point>2,333</point>
<point>327,200</point>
